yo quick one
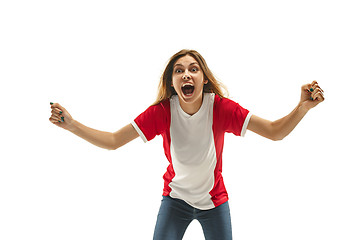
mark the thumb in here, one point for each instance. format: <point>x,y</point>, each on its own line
<point>57,105</point>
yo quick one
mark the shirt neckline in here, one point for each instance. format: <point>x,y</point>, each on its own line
<point>198,113</point>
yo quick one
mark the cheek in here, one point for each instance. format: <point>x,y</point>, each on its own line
<point>176,87</point>
<point>200,84</point>
<point>175,82</point>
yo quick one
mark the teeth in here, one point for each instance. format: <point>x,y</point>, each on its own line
<point>187,84</point>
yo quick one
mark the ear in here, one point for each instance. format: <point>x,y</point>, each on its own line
<point>206,81</point>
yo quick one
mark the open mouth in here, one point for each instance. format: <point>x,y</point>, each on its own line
<point>187,89</point>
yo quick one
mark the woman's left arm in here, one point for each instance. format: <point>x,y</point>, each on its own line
<point>311,95</point>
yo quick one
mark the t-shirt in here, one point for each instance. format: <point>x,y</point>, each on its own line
<point>193,145</point>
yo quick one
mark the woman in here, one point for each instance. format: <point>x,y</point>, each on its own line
<point>192,114</point>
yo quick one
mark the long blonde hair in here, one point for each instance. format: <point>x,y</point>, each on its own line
<point>166,91</point>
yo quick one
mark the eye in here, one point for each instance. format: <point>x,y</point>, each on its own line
<point>194,69</point>
<point>178,70</point>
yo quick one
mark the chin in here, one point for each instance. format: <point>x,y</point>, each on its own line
<point>191,98</point>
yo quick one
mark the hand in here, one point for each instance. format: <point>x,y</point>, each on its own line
<point>311,95</point>
<point>60,117</point>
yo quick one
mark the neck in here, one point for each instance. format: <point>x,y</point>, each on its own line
<point>191,107</point>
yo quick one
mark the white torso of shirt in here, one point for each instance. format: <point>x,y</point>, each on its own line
<point>193,152</point>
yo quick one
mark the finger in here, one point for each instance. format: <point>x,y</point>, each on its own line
<point>314,91</point>
<point>55,118</point>
<point>320,88</point>
<point>56,110</point>
<point>53,105</point>
<point>312,87</point>
<point>307,87</point>
<point>54,121</point>
<point>61,118</point>
<point>319,96</point>
<point>58,117</point>
<point>316,85</point>
<point>57,106</point>
<point>314,82</point>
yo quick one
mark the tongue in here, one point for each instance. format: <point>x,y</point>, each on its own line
<point>188,90</point>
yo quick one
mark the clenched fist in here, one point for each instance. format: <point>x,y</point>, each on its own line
<point>61,117</point>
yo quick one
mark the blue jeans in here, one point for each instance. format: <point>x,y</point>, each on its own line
<point>175,215</point>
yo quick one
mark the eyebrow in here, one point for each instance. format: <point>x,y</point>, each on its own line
<point>178,64</point>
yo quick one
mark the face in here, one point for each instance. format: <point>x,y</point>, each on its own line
<point>188,81</point>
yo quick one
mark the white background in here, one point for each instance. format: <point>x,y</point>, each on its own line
<point>102,60</point>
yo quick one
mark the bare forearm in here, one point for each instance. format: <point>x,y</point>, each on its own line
<point>96,137</point>
<point>285,125</point>
<point>311,95</point>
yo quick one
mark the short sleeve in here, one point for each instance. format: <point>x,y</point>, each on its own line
<point>232,117</point>
<point>153,121</point>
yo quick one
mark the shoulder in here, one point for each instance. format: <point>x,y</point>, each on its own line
<point>155,112</point>
<point>224,103</point>
<point>161,106</point>
<point>154,120</point>
<point>226,107</point>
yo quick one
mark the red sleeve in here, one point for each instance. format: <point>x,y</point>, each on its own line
<point>153,121</point>
<point>231,116</point>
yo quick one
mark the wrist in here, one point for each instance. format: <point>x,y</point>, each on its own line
<point>303,108</point>
<point>73,126</point>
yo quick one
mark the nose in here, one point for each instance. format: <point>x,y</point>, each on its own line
<point>186,76</point>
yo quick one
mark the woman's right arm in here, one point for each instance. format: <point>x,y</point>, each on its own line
<point>111,141</point>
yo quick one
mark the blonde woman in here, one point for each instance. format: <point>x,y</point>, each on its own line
<point>192,114</point>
